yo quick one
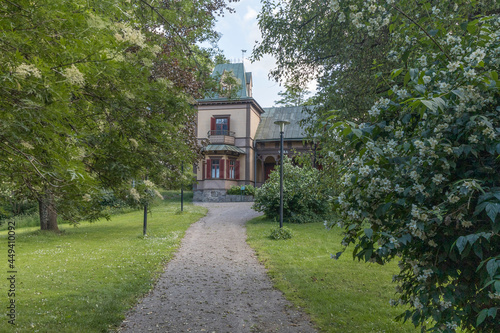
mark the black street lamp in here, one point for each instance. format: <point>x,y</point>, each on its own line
<point>281,124</point>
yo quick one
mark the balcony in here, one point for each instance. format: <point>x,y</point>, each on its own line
<point>221,137</point>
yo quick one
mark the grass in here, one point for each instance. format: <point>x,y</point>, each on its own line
<point>340,295</point>
<point>87,277</point>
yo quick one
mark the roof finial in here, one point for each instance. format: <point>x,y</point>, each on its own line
<point>243,56</point>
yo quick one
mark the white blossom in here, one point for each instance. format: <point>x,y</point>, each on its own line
<point>24,70</point>
<point>74,76</point>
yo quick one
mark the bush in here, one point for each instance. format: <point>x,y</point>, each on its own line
<point>304,197</point>
<point>281,233</point>
<point>421,180</point>
<point>236,190</point>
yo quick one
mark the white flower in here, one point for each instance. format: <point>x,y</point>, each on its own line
<point>27,145</point>
<point>473,139</point>
<point>477,55</point>
<point>341,17</point>
<point>453,66</point>
<point>435,10</point>
<point>426,79</point>
<point>149,183</point>
<point>466,224</point>
<point>453,198</point>
<point>74,76</point>
<point>445,305</point>
<point>374,111</point>
<point>364,171</point>
<point>87,197</point>
<point>470,74</point>
<point>444,86</point>
<point>419,144</point>
<point>438,179</point>
<point>24,70</point>
<point>158,194</point>
<point>423,61</point>
<point>334,5</point>
<point>135,195</point>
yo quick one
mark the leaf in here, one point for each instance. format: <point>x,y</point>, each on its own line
<point>492,210</point>
<point>472,27</point>
<point>357,132</point>
<point>481,317</point>
<point>492,312</point>
<point>407,78</point>
<point>492,267</point>
<point>430,105</point>
<point>433,32</point>
<point>369,233</point>
<point>461,243</point>
<point>396,72</point>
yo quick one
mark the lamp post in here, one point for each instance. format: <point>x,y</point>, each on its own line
<point>182,188</point>
<point>281,124</point>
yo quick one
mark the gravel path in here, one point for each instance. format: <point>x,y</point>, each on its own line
<point>216,284</point>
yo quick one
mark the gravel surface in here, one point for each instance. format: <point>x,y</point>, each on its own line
<point>215,284</point>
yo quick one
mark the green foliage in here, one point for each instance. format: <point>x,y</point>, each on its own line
<point>236,190</point>
<point>278,233</point>
<point>93,97</point>
<point>417,161</point>
<point>293,96</point>
<point>420,179</point>
<point>304,198</point>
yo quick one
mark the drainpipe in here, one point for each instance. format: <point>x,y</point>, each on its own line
<point>255,164</point>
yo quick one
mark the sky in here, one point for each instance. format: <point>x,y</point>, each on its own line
<point>239,32</point>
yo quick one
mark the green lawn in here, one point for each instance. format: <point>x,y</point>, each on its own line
<point>340,295</point>
<point>87,277</point>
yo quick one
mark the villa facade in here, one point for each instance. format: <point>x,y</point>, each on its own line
<point>242,141</point>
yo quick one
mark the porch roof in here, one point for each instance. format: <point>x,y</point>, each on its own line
<point>224,148</point>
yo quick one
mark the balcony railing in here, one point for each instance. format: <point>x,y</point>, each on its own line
<point>221,137</point>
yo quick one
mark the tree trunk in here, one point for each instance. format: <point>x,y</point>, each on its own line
<point>48,213</point>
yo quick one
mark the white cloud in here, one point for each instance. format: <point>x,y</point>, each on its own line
<point>251,14</point>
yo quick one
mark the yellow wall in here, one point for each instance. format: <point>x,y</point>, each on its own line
<point>237,115</point>
<point>254,122</point>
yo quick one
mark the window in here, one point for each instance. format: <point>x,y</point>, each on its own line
<point>231,169</point>
<point>215,173</point>
<point>220,126</point>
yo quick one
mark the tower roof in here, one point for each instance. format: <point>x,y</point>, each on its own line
<point>243,78</point>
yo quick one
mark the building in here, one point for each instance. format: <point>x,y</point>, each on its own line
<point>243,143</point>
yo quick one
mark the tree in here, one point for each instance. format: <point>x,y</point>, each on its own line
<point>416,167</point>
<point>293,96</point>
<point>97,94</point>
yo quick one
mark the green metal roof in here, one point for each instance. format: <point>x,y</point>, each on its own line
<point>268,130</point>
<point>224,148</point>
<point>238,70</point>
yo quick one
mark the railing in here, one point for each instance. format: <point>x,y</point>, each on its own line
<point>220,132</point>
<point>221,137</point>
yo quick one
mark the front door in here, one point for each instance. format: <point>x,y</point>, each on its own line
<point>268,167</point>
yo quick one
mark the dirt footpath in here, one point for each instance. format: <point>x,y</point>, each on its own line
<point>216,284</point>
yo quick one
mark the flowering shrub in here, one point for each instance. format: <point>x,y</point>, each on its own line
<point>304,198</point>
<point>421,179</point>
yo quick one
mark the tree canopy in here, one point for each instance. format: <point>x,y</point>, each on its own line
<point>410,138</point>
<point>95,94</point>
